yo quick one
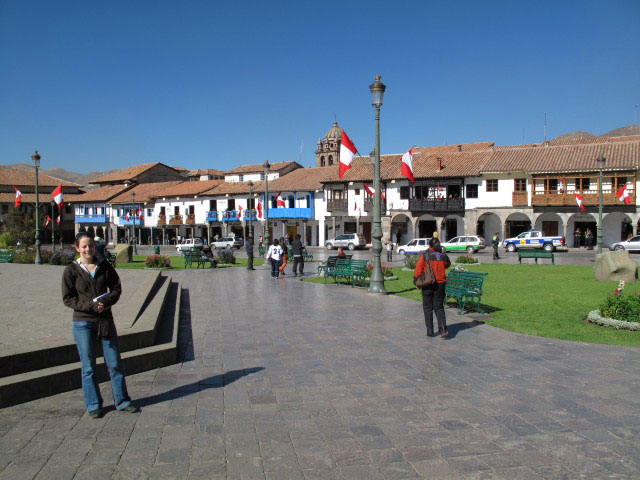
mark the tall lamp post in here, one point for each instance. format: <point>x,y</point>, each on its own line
<point>36,163</point>
<point>601,161</point>
<point>53,228</point>
<point>135,213</point>
<point>377,279</point>
<point>265,227</point>
<point>250,185</point>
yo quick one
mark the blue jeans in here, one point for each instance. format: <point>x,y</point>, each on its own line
<point>85,334</point>
<point>275,268</point>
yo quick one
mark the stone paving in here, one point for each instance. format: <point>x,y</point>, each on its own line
<point>282,379</point>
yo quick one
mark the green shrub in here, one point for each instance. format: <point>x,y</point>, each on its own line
<point>62,257</point>
<point>158,261</point>
<point>466,259</point>
<point>386,270</point>
<point>621,307</point>
<point>411,259</point>
<point>226,256</point>
<point>5,240</point>
<point>28,255</point>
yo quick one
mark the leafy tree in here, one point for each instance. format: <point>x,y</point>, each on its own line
<point>20,226</point>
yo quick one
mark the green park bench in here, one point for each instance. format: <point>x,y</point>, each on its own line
<point>331,261</point>
<point>465,287</point>
<point>6,256</point>
<point>306,256</point>
<point>194,256</point>
<point>535,254</point>
<point>347,268</point>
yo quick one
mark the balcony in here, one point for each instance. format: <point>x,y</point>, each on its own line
<point>133,220</point>
<point>91,218</point>
<point>249,215</point>
<point>230,216</point>
<point>175,219</point>
<point>541,198</point>
<point>519,199</point>
<point>336,205</point>
<point>368,205</point>
<point>212,216</point>
<point>191,219</point>
<point>436,205</point>
<point>284,213</point>
<point>162,219</point>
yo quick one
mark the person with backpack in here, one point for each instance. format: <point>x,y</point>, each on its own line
<point>433,293</point>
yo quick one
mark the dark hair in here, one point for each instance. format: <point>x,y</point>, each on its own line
<point>298,237</point>
<point>79,235</point>
<point>276,242</point>
<point>434,244</point>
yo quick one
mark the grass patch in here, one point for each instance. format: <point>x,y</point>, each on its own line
<point>544,300</point>
<point>177,263</point>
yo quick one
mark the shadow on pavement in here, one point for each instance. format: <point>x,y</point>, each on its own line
<point>217,381</point>
<point>454,328</point>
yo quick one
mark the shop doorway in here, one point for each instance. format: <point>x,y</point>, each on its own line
<point>451,228</point>
<point>516,227</point>
<point>366,231</point>
<point>426,228</point>
<point>593,226</point>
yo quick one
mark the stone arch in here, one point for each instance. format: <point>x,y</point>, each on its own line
<point>452,226</point>
<point>425,225</point>
<point>91,231</point>
<point>516,223</point>
<point>616,226</point>
<point>488,224</point>
<point>550,223</point>
<point>330,159</point>
<point>100,233</point>
<point>582,221</point>
<point>322,161</point>
<point>401,223</point>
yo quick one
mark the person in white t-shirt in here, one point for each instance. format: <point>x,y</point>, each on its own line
<point>275,256</point>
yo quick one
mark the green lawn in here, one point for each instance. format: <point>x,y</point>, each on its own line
<point>543,300</point>
<point>177,262</point>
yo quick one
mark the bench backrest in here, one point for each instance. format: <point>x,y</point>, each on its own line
<point>470,280</point>
<point>358,265</point>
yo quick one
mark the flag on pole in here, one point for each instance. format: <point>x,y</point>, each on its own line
<point>623,194</point>
<point>18,199</point>
<point>407,165</point>
<point>347,151</point>
<point>127,217</point>
<point>239,212</point>
<point>280,201</point>
<point>47,221</point>
<point>371,191</point>
<point>57,196</point>
<point>259,210</point>
<point>139,214</point>
<point>579,199</point>
<point>58,220</point>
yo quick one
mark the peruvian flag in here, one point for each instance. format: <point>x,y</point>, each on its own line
<point>127,217</point>
<point>239,212</point>
<point>47,221</point>
<point>280,201</point>
<point>18,199</point>
<point>139,214</point>
<point>622,194</point>
<point>347,151</point>
<point>371,191</point>
<point>259,210</point>
<point>579,199</point>
<point>407,165</point>
<point>58,220</point>
<point>57,196</point>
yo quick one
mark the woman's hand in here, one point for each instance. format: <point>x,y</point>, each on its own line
<point>100,307</point>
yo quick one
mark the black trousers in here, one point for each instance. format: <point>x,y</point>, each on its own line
<point>249,261</point>
<point>298,261</point>
<point>389,255</point>
<point>495,253</point>
<point>433,302</point>
<point>275,268</point>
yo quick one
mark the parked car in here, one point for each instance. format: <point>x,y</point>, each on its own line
<point>416,245</point>
<point>630,244</point>
<point>348,240</point>
<point>190,243</point>
<point>469,243</point>
<point>228,242</point>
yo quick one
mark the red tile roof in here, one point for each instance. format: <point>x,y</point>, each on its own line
<point>303,179</point>
<point>127,173</point>
<point>146,191</point>
<point>13,176</point>
<point>275,167</point>
<point>235,188</point>
<point>102,194</point>
<point>187,188</point>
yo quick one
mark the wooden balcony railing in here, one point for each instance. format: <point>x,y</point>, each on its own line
<point>162,219</point>
<point>337,205</point>
<point>519,198</point>
<point>590,197</point>
<point>175,220</point>
<point>436,204</point>
<point>368,205</point>
<point>191,219</point>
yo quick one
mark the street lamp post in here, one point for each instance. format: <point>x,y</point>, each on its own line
<point>265,228</point>
<point>601,161</point>
<point>377,278</point>
<point>53,228</point>
<point>250,185</point>
<point>135,213</point>
<point>36,163</point>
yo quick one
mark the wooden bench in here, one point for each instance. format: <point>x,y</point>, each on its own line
<point>536,254</point>
<point>465,287</point>
<point>6,256</point>
<point>197,257</point>
<point>331,261</point>
<point>347,268</point>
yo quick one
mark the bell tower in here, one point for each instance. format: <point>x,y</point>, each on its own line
<point>328,148</point>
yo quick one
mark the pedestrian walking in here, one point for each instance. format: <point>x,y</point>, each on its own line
<point>260,241</point>
<point>588,235</point>
<point>433,295</point>
<point>298,258</point>
<point>398,237</point>
<point>389,251</point>
<point>495,243</point>
<point>576,238</point>
<point>283,261</point>
<point>248,246</point>
<point>91,286</point>
<point>275,255</point>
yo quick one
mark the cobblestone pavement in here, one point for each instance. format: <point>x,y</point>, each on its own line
<point>282,379</point>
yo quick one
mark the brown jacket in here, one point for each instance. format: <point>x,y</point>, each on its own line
<point>79,289</point>
<point>439,263</point>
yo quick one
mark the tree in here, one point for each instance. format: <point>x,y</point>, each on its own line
<point>20,226</point>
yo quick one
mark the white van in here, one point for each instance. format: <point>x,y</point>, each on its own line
<point>190,244</point>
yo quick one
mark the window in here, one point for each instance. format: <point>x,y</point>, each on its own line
<point>330,159</point>
<point>520,184</point>
<point>552,184</point>
<point>148,212</point>
<point>321,162</point>
<point>620,182</point>
<point>231,204</point>
<point>492,185</point>
<point>357,191</point>
<point>262,177</point>
<point>5,208</point>
<point>472,190</point>
<point>241,178</point>
<point>67,209</point>
<point>404,193</point>
<point>583,183</point>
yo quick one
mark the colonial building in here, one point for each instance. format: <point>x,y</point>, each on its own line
<point>328,148</point>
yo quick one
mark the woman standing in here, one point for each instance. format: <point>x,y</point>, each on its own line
<point>90,286</point>
<point>283,262</point>
<point>433,295</point>
<point>275,255</point>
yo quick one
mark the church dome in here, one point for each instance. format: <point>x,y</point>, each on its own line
<point>334,132</point>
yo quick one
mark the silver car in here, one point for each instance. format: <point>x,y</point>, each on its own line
<point>630,244</point>
<point>346,240</point>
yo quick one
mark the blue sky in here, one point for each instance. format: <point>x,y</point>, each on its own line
<point>210,84</point>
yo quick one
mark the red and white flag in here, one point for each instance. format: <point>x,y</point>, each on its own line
<point>139,214</point>
<point>18,199</point>
<point>622,194</point>
<point>58,220</point>
<point>407,165</point>
<point>57,196</point>
<point>280,201</point>
<point>127,217</point>
<point>371,191</point>
<point>239,212</point>
<point>579,199</point>
<point>47,221</point>
<point>259,210</point>
<point>347,151</point>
